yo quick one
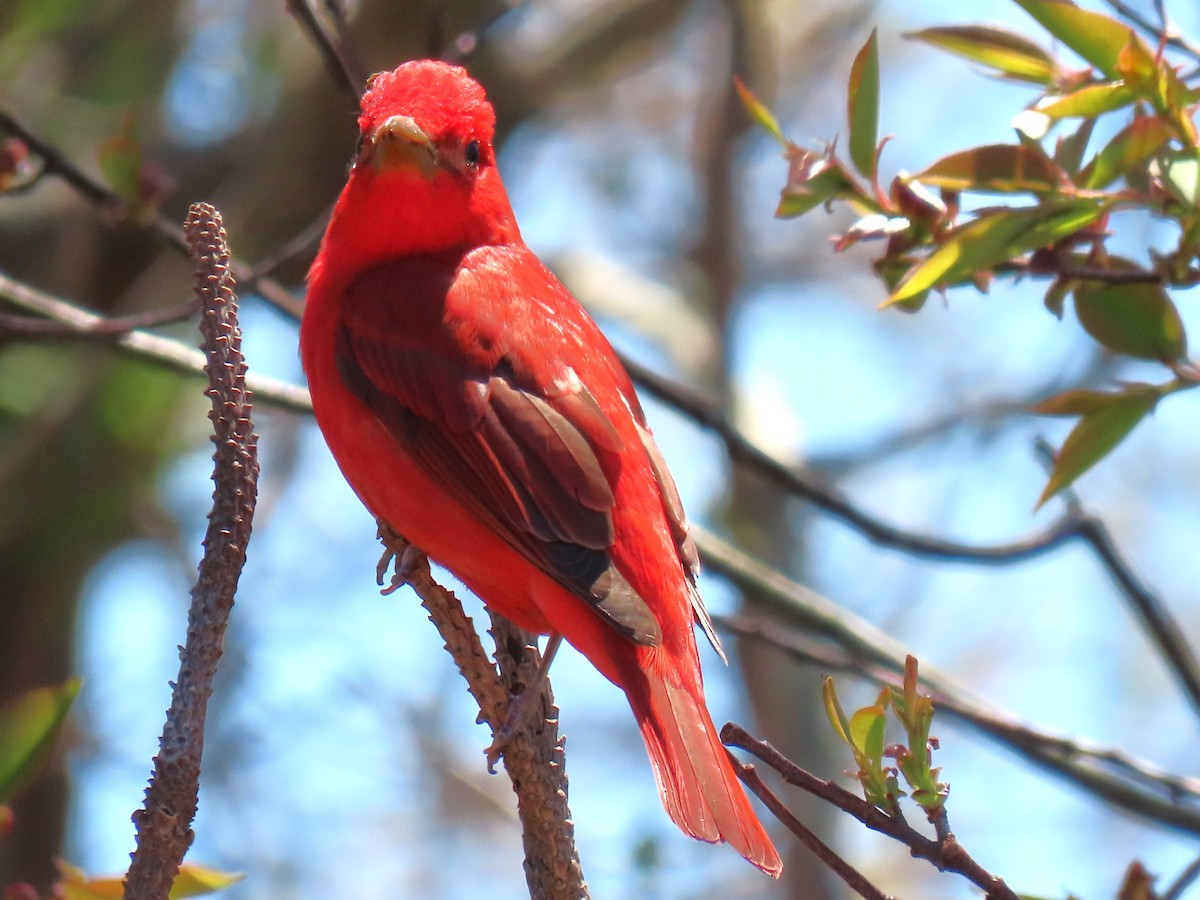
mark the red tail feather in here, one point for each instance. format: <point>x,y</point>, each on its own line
<point>698,786</point>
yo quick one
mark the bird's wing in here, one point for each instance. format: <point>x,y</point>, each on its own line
<point>434,346</point>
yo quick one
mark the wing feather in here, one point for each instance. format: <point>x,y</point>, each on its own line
<point>515,439</point>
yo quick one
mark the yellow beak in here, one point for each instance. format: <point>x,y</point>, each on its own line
<point>399,144</point>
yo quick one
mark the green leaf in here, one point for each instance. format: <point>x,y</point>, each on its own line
<point>1088,102</point>
<point>994,238</point>
<point>1181,176</point>
<point>1134,319</point>
<point>1101,429</point>
<point>862,107</point>
<point>997,168</point>
<point>120,160</point>
<point>1068,153</point>
<point>759,112</point>
<point>867,730</point>
<point>1008,53</point>
<point>1097,38</point>
<point>29,724</point>
<point>196,881</point>
<point>1056,294</point>
<point>833,709</point>
<point>1135,143</point>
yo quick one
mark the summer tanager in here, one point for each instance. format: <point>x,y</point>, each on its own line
<point>477,409</point>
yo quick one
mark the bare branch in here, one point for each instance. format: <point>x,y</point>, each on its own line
<point>1111,775</point>
<point>1164,32</point>
<point>81,324</point>
<point>855,879</point>
<point>533,757</point>
<point>335,53</point>
<point>1183,882</point>
<point>1156,619</point>
<point>164,825</point>
<point>947,855</point>
<point>56,163</point>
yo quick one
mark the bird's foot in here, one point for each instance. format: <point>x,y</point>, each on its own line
<point>519,705</point>
<point>399,550</point>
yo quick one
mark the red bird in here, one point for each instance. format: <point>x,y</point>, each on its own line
<point>476,408</point>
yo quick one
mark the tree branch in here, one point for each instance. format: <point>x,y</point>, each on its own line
<point>164,830</point>
<point>855,879</point>
<point>72,322</point>
<point>334,51</point>
<point>1157,621</point>
<point>1111,775</point>
<point>946,855</point>
<point>534,757</point>
<point>167,231</point>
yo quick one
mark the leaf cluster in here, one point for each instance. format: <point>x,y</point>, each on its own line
<point>1051,197</point>
<point>864,733</point>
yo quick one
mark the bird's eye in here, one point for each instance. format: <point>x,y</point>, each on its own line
<point>471,154</point>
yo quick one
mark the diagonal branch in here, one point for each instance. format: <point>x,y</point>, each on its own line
<point>855,879</point>
<point>945,855</point>
<point>1074,525</point>
<point>71,321</point>
<point>533,757</point>
<point>1135,786</point>
<point>55,162</point>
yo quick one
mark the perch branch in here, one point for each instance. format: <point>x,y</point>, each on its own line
<point>534,757</point>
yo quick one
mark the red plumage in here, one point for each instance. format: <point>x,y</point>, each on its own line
<point>476,408</point>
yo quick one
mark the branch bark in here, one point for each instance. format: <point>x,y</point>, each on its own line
<point>534,757</point>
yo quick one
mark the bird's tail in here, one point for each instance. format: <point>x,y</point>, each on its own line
<point>695,778</point>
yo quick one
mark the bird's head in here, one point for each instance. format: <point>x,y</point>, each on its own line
<point>426,118</point>
<point>424,177</point>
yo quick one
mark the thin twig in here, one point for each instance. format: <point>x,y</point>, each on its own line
<point>947,855</point>
<point>112,326</point>
<point>336,57</point>
<point>164,229</point>
<point>1183,882</point>
<point>164,824</point>
<point>168,352</point>
<point>533,757</point>
<point>1111,775</point>
<point>855,879</point>
<point>1075,524</point>
<point>1164,32</point>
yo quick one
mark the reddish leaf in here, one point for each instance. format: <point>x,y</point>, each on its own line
<point>813,179</point>
<point>758,111</point>
<point>999,168</point>
<point>1010,54</point>
<point>1134,144</point>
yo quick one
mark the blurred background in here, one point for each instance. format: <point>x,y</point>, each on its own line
<point>342,757</point>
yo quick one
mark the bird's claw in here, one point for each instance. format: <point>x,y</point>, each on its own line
<point>495,749</point>
<point>405,563</point>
